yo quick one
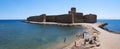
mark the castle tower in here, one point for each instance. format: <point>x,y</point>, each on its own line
<point>73,10</point>
<point>69,12</point>
<point>44,17</point>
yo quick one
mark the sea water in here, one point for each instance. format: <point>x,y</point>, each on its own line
<point>113,25</point>
<point>16,34</point>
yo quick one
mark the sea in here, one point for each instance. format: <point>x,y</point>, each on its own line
<point>113,24</point>
<point>16,34</point>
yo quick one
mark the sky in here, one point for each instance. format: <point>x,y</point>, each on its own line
<point>21,9</point>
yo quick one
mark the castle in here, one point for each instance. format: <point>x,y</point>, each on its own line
<point>71,17</point>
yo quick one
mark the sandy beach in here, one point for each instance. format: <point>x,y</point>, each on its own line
<point>108,40</point>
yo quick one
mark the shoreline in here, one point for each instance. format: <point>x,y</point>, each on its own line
<point>105,36</point>
<point>72,24</point>
<point>54,23</point>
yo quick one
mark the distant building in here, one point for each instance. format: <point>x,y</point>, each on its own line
<point>71,17</point>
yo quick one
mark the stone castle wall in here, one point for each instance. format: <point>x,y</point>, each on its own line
<point>71,17</point>
<point>91,18</point>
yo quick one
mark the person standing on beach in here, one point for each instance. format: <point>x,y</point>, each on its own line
<point>64,39</point>
<point>86,37</point>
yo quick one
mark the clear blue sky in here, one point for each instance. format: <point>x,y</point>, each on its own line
<point>21,9</point>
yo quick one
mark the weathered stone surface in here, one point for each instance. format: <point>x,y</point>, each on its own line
<point>91,18</point>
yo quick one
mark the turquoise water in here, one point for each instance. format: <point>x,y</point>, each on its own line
<point>113,25</point>
<point>15,34</point>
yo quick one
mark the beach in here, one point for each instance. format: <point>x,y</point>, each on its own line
<point>107,39</point>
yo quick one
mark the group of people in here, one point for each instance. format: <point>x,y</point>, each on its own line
<point>87,39</point>
<point>91,39</point>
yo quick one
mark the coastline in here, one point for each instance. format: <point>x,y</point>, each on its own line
<point>54,23</point>
<point>108,40</point>
<point>75,24</point>
<point>65,24</point>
